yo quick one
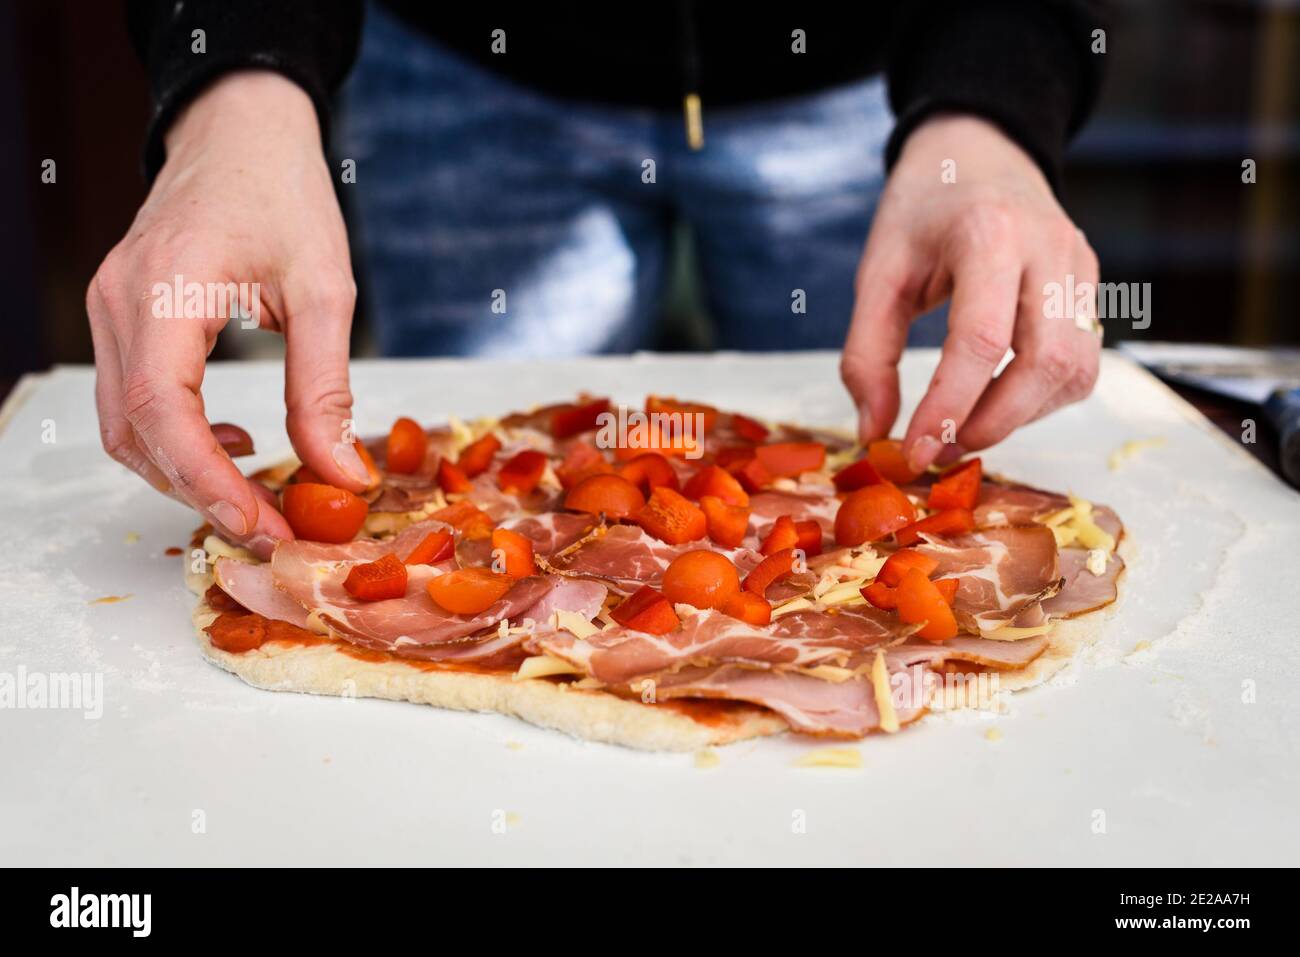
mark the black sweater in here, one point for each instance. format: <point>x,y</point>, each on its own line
<point>1027,65</point>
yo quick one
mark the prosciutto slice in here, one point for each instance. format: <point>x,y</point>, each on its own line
<point>625,557</point>
<point>1007,655</point>
<point>1001,572</point>
<point>253,587</point>
<point>800,639</point>
<point>845,709</point>
<point>412,626</point>
<point>1083,591</point>
<point>817,503</point>
<point>550,532</point>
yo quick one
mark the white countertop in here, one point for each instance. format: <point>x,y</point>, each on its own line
<point>1187,750</point>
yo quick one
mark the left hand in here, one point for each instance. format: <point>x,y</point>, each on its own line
<point>993,239</point>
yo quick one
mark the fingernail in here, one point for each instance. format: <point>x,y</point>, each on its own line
<point>345,456</point>
<point>262,545</point>
<point>866,425</point>
<point>229,518</point>
<point>922,453</point>
<point>950,454</point>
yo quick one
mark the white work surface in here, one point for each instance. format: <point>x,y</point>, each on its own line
<point>1183,752</point>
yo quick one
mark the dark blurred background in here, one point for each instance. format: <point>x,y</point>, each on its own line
<point>1194,88</point>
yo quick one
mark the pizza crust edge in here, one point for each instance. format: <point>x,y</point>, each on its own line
<point>588,715</point>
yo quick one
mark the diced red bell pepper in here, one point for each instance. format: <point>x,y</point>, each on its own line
<point>514,552</point>
<point>649,471</point>
<point>727,523</point>
<point>467,518</point>
<point>888,458</point>
<point>716,481</point>
<point>646,610</point>
<point>871,513</point>
<point>451,479</point>
<point>581,461</point>
<point>663,404</point>
<point>810,536</point>
<point>853,477</point>
<point>476,457</point>
<point>407,443</point>
<point>522,472</point>
<point>891,573</point>
<point>671,517</point>
<point>791,458</point>
<point>920,601</point>
<point>576,418</point>
<point>748,428</point>
<point>945,524</point>
<point>782,536</point>
<point>880,595</point>
<point>752,475</point>
<point>433,548</point>
<point>959,487</point>
<point>377,580</point>
<point>749,608</point>
<point>948,589</point>
<point>775,566</point>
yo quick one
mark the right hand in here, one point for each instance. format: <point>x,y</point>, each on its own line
<point>245,196</point>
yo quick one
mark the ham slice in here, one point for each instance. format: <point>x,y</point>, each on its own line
<point>550,532</point>
<point>413,626</point>
<point>800,639</point>
<point>624,557</point>
<point>1083,591</point>
<point>1001,572</point>
<point>253,587</point>
<point>844,709</point>
<point>1004,655</point>
<point>811,502</point>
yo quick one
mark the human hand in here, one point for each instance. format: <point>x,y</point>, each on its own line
<point>244,197</point>
<point>993,239</point>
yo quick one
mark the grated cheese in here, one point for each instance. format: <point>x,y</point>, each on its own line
<point>707,759</point>
<point>1011,633</point>
<point>830,673</point>
<point>574,623</point>
<point>541,666</point>
<point>831,758</point>
<point>794,604</point>
<point>1097,561</point>
<point>884,695</point>
<point>216,548</point>
<point>1130,449</point>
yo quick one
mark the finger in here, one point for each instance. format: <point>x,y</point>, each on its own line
<point>986,292</point>
<point>161,400</point>
<point>877,336</point>
<point>318,398</point>
<point>115,432</point>
<point>1056,361</point>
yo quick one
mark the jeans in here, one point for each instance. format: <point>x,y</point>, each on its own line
<point>495,220</point>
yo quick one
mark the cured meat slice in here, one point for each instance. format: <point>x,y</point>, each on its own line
<point>412,626</point>
<point>253,587</point>
<point>625,557</point>
<point>817,503</point>
<point>1009,503</point>
<point>800,639</point>
<point>1008,655</point>
<point>577,595</point>
<point>1001,572</point>
<point>1083,591</point>
<point>844,709</point>
<point>550,532</point>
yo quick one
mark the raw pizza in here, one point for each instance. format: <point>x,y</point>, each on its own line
<point>696,580</point>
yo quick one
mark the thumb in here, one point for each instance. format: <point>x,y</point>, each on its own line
<point>318,398</point>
